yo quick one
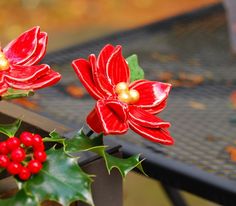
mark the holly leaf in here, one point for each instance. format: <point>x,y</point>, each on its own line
<point>16,93</point>
<point>61,180</point>
<point>54,137</point>
<point>123,165</point>
<point>21,198</point>
<point>10,129</point>
<point>136,72</point>
<point>81,142</point>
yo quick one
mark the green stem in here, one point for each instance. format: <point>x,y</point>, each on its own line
<point>13,94</point>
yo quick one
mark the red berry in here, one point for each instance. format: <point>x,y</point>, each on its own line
<point>14,168</point>
<point>26,138</point>
<point>13,143</point>
<point>3,148</point>
<point>39,147</point>
<point>34,166</point>
<point>24,174</point>
<point>37,140</point>
<point>18,155</point>
<point>40,156</point>
<point>4,161</point>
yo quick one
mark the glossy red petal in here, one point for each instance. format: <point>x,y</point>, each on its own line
<point>117,68</point>
<point>113,116</point>
<point>145,119</point>
<point>84,72</point>
<point>3,88</point>
<point>20,73</point>
<point>94,122</point>
<point>40,50</point>
<point>157,109</point>
<point>101,81</point>
<point>48,79</point>
<point>2,76</point>
<point>22,48</point>
<point>3,85</point>
<point>158,135</point>
<point>103,57</point>
<point>151,93</point>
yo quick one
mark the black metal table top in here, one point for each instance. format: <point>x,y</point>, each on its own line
<point>194,50</point>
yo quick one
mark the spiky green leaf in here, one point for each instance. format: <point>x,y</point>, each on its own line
<point>10,129</point>
<point>80,142</point>
<point>54,137</point>
<point>20,199</point>
<point>123,165</point>
<point>61,179</point>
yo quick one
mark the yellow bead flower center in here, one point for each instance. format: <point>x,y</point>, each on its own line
<point>129,96</point>
<point>4,64</point>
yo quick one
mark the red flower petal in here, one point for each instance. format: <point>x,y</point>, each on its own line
<point>47,80</point>
<point>151,93</point>
<point>159,135</point>
<point>102,82</point>
<point>2,77</point>
<point>145,119</point>
<point>104,56</point>
<point>113,116</point>
<point>50,78</point>
<point>84,72</point>
<point>94,122</point>
<point>157,109</point>
<point>22,48</point>
<point>117,68</point>
<point>3,88</point>
<point>20,73</point>
<point>40,50</point>
<point>3,85</point>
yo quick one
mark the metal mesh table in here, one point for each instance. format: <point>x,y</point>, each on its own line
<point>203,124</point>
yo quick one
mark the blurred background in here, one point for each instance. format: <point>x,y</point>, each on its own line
<point>76,21</point>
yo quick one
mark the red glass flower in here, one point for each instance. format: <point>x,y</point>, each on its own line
<point>121,104</point>
<point>18,61</point>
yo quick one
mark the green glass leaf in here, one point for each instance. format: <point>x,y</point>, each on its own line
<point>123,165</point>
<point>54,137</point>
<point>20,199</point>
<point>136,72</point>
<point>80,142</point>
<point>61,179</point>
<point>10,129</point>
<point>16,93</point>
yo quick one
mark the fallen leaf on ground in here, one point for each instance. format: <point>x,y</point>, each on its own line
<point>164,57</point>
<point>232,152</point>
<point>197,105</point>
<point>75,91</point>
<point>27,103</point>
<point>233,99</point>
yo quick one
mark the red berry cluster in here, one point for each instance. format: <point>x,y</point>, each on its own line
<point>23,156</point>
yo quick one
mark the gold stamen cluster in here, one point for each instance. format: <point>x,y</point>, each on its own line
<point>4,63</point>
<point>129,96</point>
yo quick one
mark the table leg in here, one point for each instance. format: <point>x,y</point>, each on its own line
<point>174,195</point>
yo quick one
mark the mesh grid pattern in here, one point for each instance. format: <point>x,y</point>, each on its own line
<point>197,46</point>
